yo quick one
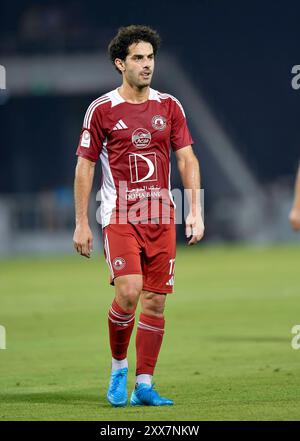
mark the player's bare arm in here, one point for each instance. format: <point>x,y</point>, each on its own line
<point>295,211</point>
<point>189,170</point>
<point>84,175</point>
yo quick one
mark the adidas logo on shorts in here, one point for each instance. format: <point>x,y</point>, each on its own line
<point>170,282</point>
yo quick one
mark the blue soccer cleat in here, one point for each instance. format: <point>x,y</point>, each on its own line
<point>117,389</point>
<point>145,395</point>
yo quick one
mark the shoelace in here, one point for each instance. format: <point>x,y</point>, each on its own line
<point>116,380</point>
<point>152,391</point>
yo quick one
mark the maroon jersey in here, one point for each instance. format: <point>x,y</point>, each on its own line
<point>133,142</point>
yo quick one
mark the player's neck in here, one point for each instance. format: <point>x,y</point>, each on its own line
<point>133,94</point>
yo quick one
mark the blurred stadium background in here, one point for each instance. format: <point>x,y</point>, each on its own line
<point>228,62</point>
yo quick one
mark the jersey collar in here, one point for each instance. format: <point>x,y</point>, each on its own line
<point>117,99</point>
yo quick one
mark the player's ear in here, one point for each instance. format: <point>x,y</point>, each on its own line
<point>120,64</point>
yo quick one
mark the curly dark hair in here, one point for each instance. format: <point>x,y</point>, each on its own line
<point>118,47</point>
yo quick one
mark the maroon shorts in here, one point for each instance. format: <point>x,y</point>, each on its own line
<point>147,249</point>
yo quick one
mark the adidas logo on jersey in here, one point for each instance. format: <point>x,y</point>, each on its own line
<point>120,125</point>
<point>170,282</point>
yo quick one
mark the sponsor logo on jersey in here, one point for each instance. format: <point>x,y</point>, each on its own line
<point>141,138</point>
<point>119,263</point>
<point>159,122</point>
<point>143,168</point>
<point>120,125</point>
<point>85,139</point>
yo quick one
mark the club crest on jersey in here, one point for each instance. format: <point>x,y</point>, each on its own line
<point>119,263</point>
<point>85,139</point>
<point>159,122</point>
<point>141,138</point>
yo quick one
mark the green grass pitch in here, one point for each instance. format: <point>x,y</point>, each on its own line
<point>226,355</point>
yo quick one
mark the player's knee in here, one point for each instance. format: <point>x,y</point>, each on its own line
<point>154,304</point>
<point>129,293</point>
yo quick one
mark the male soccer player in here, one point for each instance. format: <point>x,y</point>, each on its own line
<point>295,211</point>
<point>132,129</point>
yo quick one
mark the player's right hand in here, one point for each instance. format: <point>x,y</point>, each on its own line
<point>295,219</point>
<point>83,240</point>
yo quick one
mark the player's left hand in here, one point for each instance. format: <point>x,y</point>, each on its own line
<point>295,219</point>
<point>194,228</point>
